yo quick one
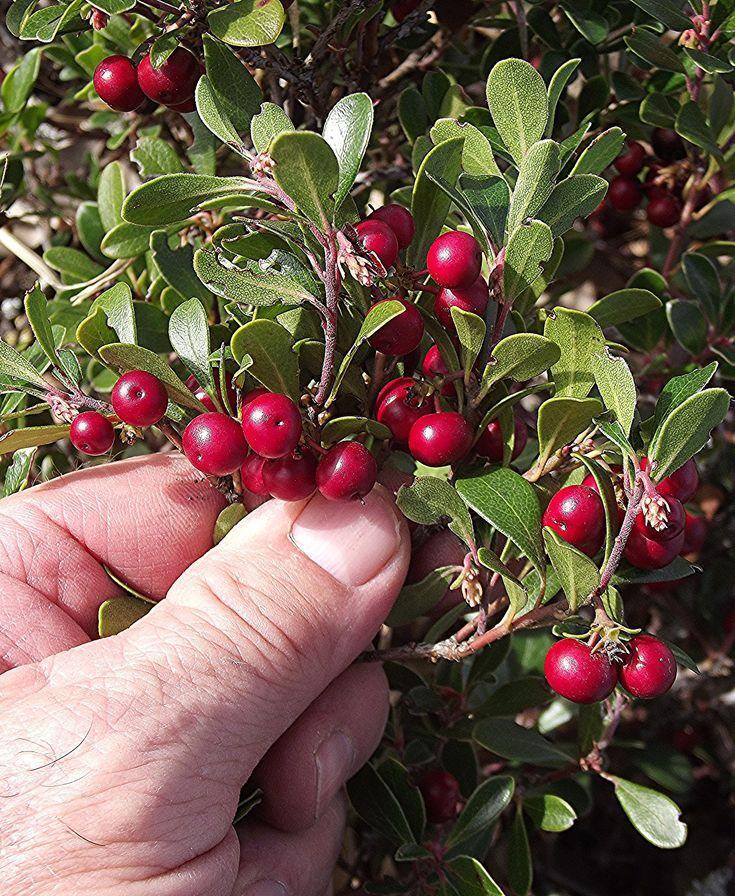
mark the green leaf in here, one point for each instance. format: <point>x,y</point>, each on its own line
<point>561,420</point>
<point>18,84</point>
<point>579,339</point>
<point>267,125</point>
<point>133,357</point>
<point>659,110</point>
<point>17,367</point>
<point>32,437</point>
<point>558,82</point>
<point>679,568</point>
<point>591,25</point>
<point>188,331</point>
<point>686,430</point>
<point>622,306</point>
<point>117,615</point>
<point>376,804</point>
<point>19,471</point>
<point>520,356</point>
<point>507,501</point>
<point>110,195</point>
<point>601,152</point>
<point>74,263</point>
<point>339,428</point>
<point>576,197</point>
<point>429,500</point>
<point>529,246</point>
<point>653,815</point>
<point>688,324</point>
<point>155,156</point>
<point>516,96</point>
<point>549,812</point>
<point>227,520</point>
<point>231,95</point>
<point>489,200</point>
<point>36,308</point>
<point>347,130</point>
<point>469,878</point>
<point>477,153</point>
<point>177,267</point>
<point>514,697</point>
<point>117,304</point>
<point>482,810</point>
<point>693,126</point>
<point>666,11</point>
<point>648,46</point>
<point>418,598</point>
<point>617,387</point>
<point>412,114</point>
<point>126,240</point>
<point>577,574</point>
<point>307,169</point>
<point>679,388</point>
<point>703,281</point>
<point>471,334</point>
<point>536,175</point>
<point>174,197</point>
<point>247,23</point>
<point>272,359</point>
<point>514,742</point>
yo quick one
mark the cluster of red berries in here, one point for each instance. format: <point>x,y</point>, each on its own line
<point>627,190</point>
<point>580,673</point>
<point>124,87</point>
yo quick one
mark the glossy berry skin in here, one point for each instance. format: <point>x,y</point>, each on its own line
<point>441,794</point>
<point>174,82</point>
<point>454,260</point>
<point>189,105</point>
<point>667,145</point>
<point>674,525</point>
<point>398,408</point>
<point>401,335</point>
<point>376,236</point>
<point>650,553</point>
<point>92,433</point>
<point>139,398</point>
<point>574,672</point>
<point>272,425</point>
<point>577,514</point>
<point>214,444</point>
<point>695,534</point>
<point>631,160</point>
<point>399,219</point>
<point>474,298</point>
<point>624,194</point>
<point>490,444</point>
<point>346,472</point>
<point>664,210</point>
<point>649,669</point>
<point>253,394</point>
<point>251,473</point>
<point>439,439</point>
<point>291,478</point>
<point>433,367</point>
<point>116,83</point>
<point>681,484</point>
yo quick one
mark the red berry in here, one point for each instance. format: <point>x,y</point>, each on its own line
<point>649,669</point>
<point>92,433</point>
<point>139,398</point>
<point>625,193</point>
<point>174,82</point>
<point>189,105</point>
<point>116,83</point>
<point>433,367</point>
<point>192,384</point>
<point>272,425</point>
<point>681,484</point>
<point>664,210</point>
<point>674,525</point>
<point>402,334</point>
<point>439,439</point>
<point>398,407</point>
<point>651,553</point>
<point>402,8</point>
<point>695,533</point>
<point>667,145</point>
<point>454,260</point>
<point>490,444</point>
<point>575,672</point>
<point>376,236</point>
<point>291,478</point>
<point>214,444</point>
<point>631,160</point>
<point>589,480</point>
<point>474,298</point>
<point>686,739</point>
<point>577,514</point>
<point>251,473</point>
<point>441,794</point>
<point>252,394</point>
<point>399,219</point>
<point>347,471</point>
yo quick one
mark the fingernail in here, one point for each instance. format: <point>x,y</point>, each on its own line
<point>351,540</point>
<point>266,888</point>
<point>335,759</point>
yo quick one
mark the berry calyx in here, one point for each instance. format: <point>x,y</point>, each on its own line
<point>454,259</point>
<point>631,160</point>
<point>473,298</point>
<point>116,83</point>
<point>402,334</point>
<point>214,444</point>
<point>92,433</point>
<point>439,439</point>
<point>624,193</point>
<point>377,237</point>
<point>649,669</point>
<point>174,82</point>
<point>664,210</point>
<point>399,406</point>
<point>573,671</point>
<point>347,471</point>
<point>667,145</point>
<point>399,219</point>
<point>695,533</point>
<point>272,425</point>
<point>433,367</point>
<point>139,398</point>
<point>490,444</point>
<point>291,478</point>
<point>672,528</point>
<point>441,794</point>
<point>251,474</point>
<point>577,514</point>
<point>681,484</point>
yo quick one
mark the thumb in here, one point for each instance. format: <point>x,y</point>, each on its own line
<point>255,630</point>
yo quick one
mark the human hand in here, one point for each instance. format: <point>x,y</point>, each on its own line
<point>122,759</point>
